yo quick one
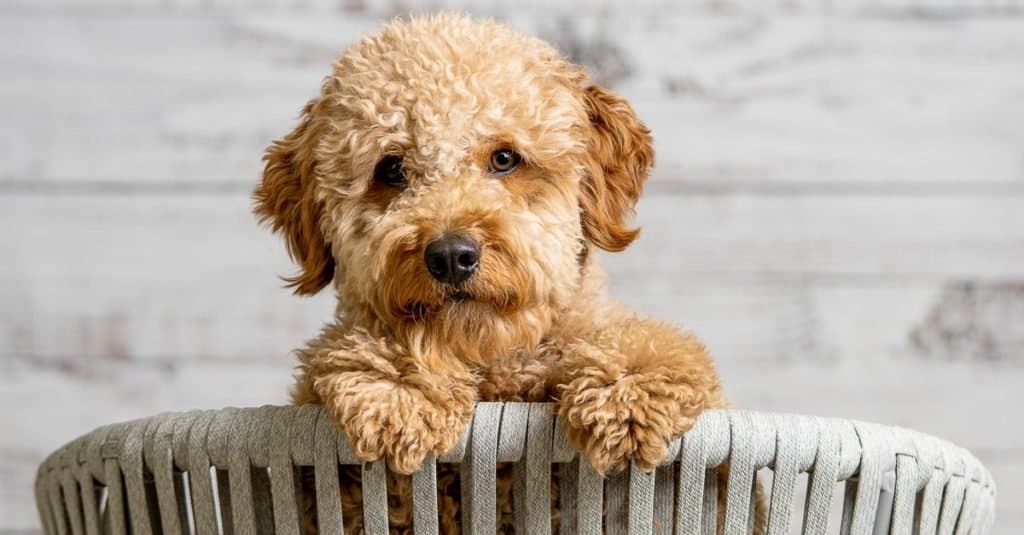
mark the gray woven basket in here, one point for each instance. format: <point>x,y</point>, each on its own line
<point>233,471</point>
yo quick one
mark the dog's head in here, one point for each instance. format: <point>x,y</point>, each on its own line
<point>450,179</point>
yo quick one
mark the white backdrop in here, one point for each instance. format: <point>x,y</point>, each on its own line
<point>837,209</point>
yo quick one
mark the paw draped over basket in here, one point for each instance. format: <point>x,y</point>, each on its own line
<point>234,471</point>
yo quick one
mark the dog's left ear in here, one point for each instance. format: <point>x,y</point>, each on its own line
<point>286,199</point>
<point>620,156</point>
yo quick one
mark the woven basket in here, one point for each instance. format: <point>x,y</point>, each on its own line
<point>233,471</point>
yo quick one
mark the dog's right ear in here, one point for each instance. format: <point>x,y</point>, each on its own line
<point>285,198</point>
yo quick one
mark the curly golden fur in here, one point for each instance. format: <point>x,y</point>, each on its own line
<point>408,355</point>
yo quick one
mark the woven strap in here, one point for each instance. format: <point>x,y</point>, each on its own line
<point>236,471</point>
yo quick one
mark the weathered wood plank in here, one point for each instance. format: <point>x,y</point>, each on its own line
<point>893,8</point>
<point>208,287</point>
<point>762,278</point>
<point>828,235</point>
<point>779,97</point>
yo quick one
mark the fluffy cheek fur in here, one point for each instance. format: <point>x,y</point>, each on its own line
<point>530,244</point>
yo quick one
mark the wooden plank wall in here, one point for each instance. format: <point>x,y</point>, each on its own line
<point>838,206</point>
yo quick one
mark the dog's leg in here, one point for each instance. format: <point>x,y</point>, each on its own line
<point>390,404</point>
<point>631,387</point>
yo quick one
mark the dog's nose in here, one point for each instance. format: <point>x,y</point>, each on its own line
<point>452,258</point>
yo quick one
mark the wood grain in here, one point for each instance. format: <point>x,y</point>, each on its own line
<point>893,8</point>
<point>185,101</point>
<point>95,277</point>
<point>141,276</point>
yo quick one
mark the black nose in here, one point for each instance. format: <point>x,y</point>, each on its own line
<point>452,258</point>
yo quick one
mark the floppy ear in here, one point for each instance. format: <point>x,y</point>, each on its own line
<point>620,156</point>
<point>285,198</point>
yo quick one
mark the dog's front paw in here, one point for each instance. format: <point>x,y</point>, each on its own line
<point>398,423</point>
<point>613,418</point>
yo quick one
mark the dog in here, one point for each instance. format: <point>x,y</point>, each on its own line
<point>452,183</point>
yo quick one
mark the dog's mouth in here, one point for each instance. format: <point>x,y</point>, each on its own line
<point>500,300</point>
<point>459,298</point>
<point>420,310</point>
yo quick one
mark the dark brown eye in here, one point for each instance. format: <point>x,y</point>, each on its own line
<point>389,171</point>
<point>504,161</point>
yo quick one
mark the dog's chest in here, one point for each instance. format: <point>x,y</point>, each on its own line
<point>530,379</point>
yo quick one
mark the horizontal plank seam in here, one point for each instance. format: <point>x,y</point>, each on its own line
<point>162,10</point>
<point>660,185</point>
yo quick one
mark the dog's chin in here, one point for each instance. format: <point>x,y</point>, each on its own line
<point>459,303</point>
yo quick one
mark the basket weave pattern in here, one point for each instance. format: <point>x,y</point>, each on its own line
<point>234,471</point>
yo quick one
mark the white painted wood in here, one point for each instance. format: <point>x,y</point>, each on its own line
<point>800,278</point>
<point>93,276</point>
<point>921,8</point>
<point>177,101</point>
<point>785,236</point>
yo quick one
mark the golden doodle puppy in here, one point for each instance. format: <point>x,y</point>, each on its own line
<point>451,183</point>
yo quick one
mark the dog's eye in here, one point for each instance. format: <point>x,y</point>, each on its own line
<point>389,171</point>
<point>504,161</point>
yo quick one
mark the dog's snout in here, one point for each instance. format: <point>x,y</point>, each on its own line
<point>452,258</point>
